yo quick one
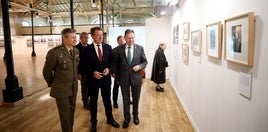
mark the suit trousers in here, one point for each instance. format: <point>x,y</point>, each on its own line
<point>135,90</point>
<point>106,95</point>
<point>66,109</point>
<point>115,91</point>
<point>84,90</point>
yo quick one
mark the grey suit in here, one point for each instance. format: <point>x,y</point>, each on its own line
<point>128,78</point>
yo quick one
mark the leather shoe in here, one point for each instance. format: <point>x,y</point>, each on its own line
<point>93,129</point>
<point>125,124</point>
<point>136,120</point>
<point>115,105</point>
<point>113,123</point>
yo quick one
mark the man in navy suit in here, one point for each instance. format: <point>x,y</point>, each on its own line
<point>83,72</point>
<point>130,61</point>
<point>98,58</point>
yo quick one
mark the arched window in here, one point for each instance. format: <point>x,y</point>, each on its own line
<point>25,23</point>
<point>129,21</point>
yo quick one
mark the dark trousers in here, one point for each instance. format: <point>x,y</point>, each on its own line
<point>115,91</point>
<point>66,109</point>
<point>106,95</point>
<point>84,90</point>
<point>135,90</point>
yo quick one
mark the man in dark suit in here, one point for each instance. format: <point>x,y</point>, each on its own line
<point>130,61</point>
<point>98,58</point>
<point>83,72</point>
<point>120,41</point>
<point>60,73</point>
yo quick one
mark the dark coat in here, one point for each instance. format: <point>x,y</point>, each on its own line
<point>89,59</point>
<point>159,67</point>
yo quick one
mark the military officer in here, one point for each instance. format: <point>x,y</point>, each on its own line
<point>60,72</point>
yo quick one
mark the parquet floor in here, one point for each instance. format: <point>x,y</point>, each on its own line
<point>37,111</point>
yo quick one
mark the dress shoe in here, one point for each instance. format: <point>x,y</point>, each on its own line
<point>125,124</point>
<point>115,105</point>
<point>159,89</point>
<point>136,120</point>
<point>93,129</point>
<point>87,107</point>
<point>113,123</point>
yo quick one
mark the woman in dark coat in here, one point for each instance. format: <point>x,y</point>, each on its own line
<point>159,67</point>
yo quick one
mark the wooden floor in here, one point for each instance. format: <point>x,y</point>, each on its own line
<point>37,111</point>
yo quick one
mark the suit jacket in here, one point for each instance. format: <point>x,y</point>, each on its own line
<point>81,48</point>
<point>91,61</point>
<point>124,73</point>
<point>60,71</point>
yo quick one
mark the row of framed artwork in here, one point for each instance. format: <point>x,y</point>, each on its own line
<point>238,39</point>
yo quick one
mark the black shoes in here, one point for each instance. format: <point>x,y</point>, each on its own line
<point>86,106</point>
<point>115,105</point>
<point>160,89</point>
<point>125,123</point>
<point>113,123</point>
<point>93,129</point>
<point>136,120</point>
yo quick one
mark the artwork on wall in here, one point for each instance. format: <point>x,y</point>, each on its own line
<point>196,41</point>
<point>186,30</point>
<point>50,41</point>
<point>2,43</point>
<point>239,39</point>
<point>29,41</point>
<point>185,53</point>
<point>213,39</point>
<point>176,34</point>
<point>57,40</point>
<point>43,39</point>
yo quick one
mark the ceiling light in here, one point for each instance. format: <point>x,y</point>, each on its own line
<point>93,4</point>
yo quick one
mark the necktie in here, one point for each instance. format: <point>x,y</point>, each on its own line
<point>129,55</point>
<point>71,52</point>
<point>99,52</point>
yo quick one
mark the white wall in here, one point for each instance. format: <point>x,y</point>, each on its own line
<point>157,31</point>
<point>208,89</point>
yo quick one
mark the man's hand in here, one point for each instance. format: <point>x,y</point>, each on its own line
<point>105,72</point>
<point>97,75</point>
<point>136,68</point>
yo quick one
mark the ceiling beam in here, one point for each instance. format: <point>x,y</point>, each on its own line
<point>19,6</point>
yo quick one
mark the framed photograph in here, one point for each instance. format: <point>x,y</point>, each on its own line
<point>196,41</point>
<point>185,53</point>
<point>214,38</point>
<point>239,39</point>
<point>186,30</point>
<point>176,34</point>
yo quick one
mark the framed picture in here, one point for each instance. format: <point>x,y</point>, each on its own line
<point>239,39</point>
<point>196,41</point>
<point>214,38</point>
<point>176,34</point>
<point>185,53</point>
<point>186,30</point>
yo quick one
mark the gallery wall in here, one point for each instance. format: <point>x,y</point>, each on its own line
<point>209,88</point>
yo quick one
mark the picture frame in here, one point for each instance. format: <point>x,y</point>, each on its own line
<point>214,40</point>
<point>176,34</point>
<point>185,53</point>
<point>186,30</point>
<point>196,41</point>
<point>239,39</point>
